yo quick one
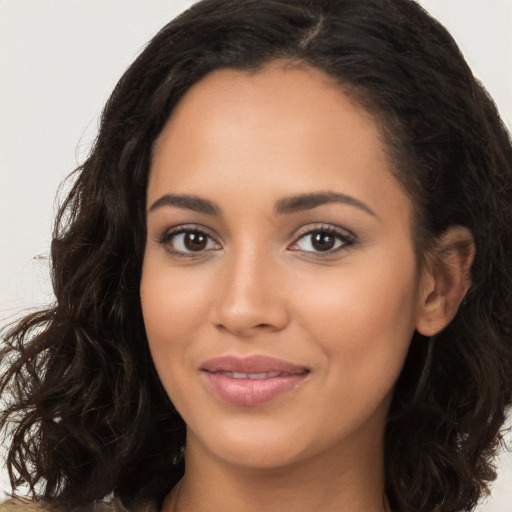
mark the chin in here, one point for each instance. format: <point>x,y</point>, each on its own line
<point>255,445</point>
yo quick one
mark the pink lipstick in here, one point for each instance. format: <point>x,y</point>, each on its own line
<point>253,380</point>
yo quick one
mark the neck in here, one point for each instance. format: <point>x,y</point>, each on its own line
<point>339,480</point>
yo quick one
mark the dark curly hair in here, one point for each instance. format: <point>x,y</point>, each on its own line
<point>84,405</point>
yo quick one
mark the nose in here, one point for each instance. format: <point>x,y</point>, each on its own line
<point>252,296</point>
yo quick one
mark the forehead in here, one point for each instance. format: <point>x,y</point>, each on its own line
<point>280,94</point>
<point>281,130</point>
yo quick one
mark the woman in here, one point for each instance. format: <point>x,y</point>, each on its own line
<point>282,277</point>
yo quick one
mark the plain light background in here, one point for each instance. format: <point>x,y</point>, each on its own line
<point>59,60</point>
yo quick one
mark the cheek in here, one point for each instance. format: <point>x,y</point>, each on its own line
<point>173,300</point>
<point>363,318</point>
<point>174,308</point>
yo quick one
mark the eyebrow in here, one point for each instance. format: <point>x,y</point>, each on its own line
<point>194,203</point>
<point>309,201</point>
<point>284,206</point>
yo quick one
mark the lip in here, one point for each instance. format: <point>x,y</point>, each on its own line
<point>253,380</point>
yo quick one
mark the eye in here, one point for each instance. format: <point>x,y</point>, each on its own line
<point>184,241</point>
<point>327,239</point>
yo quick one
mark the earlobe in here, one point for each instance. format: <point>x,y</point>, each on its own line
<point>446,280</point>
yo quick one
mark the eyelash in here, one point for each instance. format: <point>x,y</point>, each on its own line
<point>172,233</point>
<point>344,236</point>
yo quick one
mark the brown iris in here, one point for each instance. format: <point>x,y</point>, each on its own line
<point>322,241</point>
<point>195,241</point>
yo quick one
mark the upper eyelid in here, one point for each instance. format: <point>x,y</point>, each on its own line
<point>183,228</point>
<point>305,230</point>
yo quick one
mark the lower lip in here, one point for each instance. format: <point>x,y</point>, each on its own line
<point>251,392</point>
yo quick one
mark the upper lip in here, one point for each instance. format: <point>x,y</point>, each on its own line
<point>251,364</point>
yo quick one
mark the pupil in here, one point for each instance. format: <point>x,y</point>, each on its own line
<point>323,241</point>
<point>195,241</point>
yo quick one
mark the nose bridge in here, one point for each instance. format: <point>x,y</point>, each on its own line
<point>249,295</point>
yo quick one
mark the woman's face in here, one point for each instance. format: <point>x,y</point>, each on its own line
<point>280,288</point>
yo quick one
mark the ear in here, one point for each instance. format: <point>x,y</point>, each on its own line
<point>445,280</point>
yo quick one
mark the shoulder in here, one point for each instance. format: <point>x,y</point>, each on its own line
<point>21,505</point>
<point>26,505</point>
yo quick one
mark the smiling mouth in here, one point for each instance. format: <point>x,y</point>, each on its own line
<point>253,380</point>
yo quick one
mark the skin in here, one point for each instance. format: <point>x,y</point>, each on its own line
<point>246,141</point>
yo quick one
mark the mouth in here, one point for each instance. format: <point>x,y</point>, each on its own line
<point>253,380</point>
